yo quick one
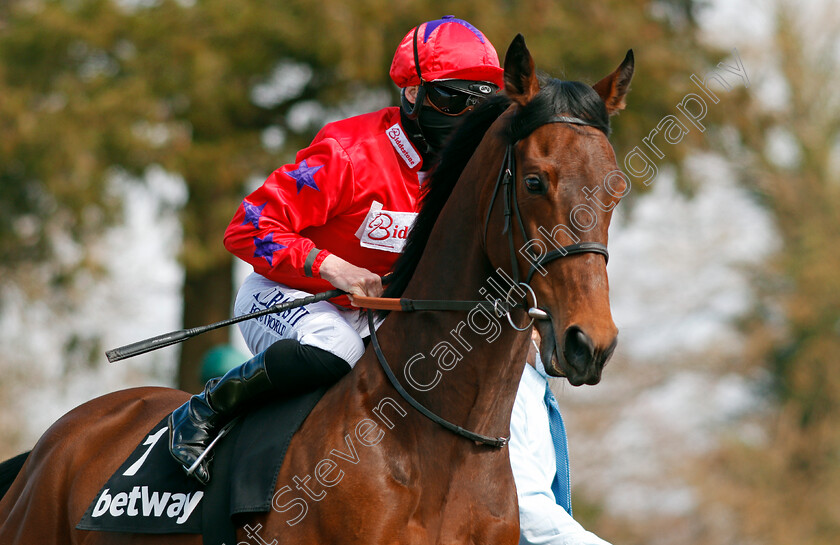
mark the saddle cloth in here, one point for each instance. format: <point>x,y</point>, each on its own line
<point>151,494</point>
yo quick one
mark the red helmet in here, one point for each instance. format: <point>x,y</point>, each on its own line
<point>447,48</point>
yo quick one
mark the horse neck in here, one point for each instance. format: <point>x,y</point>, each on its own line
<point>477,392</point>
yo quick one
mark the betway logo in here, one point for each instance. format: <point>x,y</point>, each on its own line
<point>403,146</point>
<point>126,504</point>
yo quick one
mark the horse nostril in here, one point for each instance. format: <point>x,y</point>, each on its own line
<point>578,348</point>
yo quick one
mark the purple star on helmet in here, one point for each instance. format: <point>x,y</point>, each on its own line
<point>304,175</point>
<point>266,248</point>
<point>252,214</point>
<point>432,25</point>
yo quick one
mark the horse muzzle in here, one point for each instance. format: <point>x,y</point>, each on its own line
<point>578,357</point>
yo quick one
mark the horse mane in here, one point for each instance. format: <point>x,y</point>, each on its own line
<point>555,97</point>
<point>453,159</point>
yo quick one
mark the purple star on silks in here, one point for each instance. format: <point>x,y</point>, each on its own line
<point>304,175</point>
<point>266,248</point>
<point>432,25</point>
<point>252,214</point>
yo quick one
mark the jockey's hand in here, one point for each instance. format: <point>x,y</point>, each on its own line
<point>350,278</point>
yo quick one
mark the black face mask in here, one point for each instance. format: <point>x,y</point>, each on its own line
<point>436,126</point>
<point>428,131</point>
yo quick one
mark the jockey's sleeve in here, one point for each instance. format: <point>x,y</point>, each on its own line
<point>266,229</point>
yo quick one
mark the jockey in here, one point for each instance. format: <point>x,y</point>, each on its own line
<point>337,218</point>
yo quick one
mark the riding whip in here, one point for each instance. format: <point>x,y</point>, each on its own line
<point>175,337</point>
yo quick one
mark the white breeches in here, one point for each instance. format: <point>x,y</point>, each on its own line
<point>335,329</point>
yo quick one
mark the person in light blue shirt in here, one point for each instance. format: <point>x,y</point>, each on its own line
<point>539,459</point>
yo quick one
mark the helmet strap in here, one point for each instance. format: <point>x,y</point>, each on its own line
<point>411,113</point>
<point>421,91</point>
<point>413,129</point>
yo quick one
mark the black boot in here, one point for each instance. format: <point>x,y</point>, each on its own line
<point>286,368</point>
<point>193,425</point>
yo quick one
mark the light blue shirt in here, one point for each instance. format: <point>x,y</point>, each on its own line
<point>541,520</point>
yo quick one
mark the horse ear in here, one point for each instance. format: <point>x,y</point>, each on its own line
<point>614,87</point>
<point>520,77</point>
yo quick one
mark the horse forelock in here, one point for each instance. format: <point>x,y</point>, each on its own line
<point>558,97</point>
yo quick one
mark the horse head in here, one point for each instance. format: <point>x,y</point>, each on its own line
<point>563,184</point>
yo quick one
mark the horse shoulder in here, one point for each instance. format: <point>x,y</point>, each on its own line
<point>338,483</point>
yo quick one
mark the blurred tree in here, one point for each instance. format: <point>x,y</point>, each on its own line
<point>93,88</point>
<point>222,91</point>
<point>784,487</point>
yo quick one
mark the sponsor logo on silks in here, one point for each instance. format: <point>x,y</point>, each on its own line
<point>384,229</point>
<point>403,146</point>
<point>139,502</point>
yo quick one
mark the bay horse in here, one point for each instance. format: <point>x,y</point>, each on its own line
<point>521,162</point>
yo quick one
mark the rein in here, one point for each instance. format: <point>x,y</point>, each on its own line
<point>505,179</point>
<point>477,437</point>
<point>413,305</point>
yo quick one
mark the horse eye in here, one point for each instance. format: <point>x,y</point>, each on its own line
<point>534,184</point>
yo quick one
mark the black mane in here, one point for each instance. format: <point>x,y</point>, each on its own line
<point>555,97</point>
<point>454,158</point>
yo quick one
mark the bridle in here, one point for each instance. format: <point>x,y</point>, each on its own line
<point>505,182</point>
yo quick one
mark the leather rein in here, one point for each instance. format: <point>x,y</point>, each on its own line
<point>505,182</point>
